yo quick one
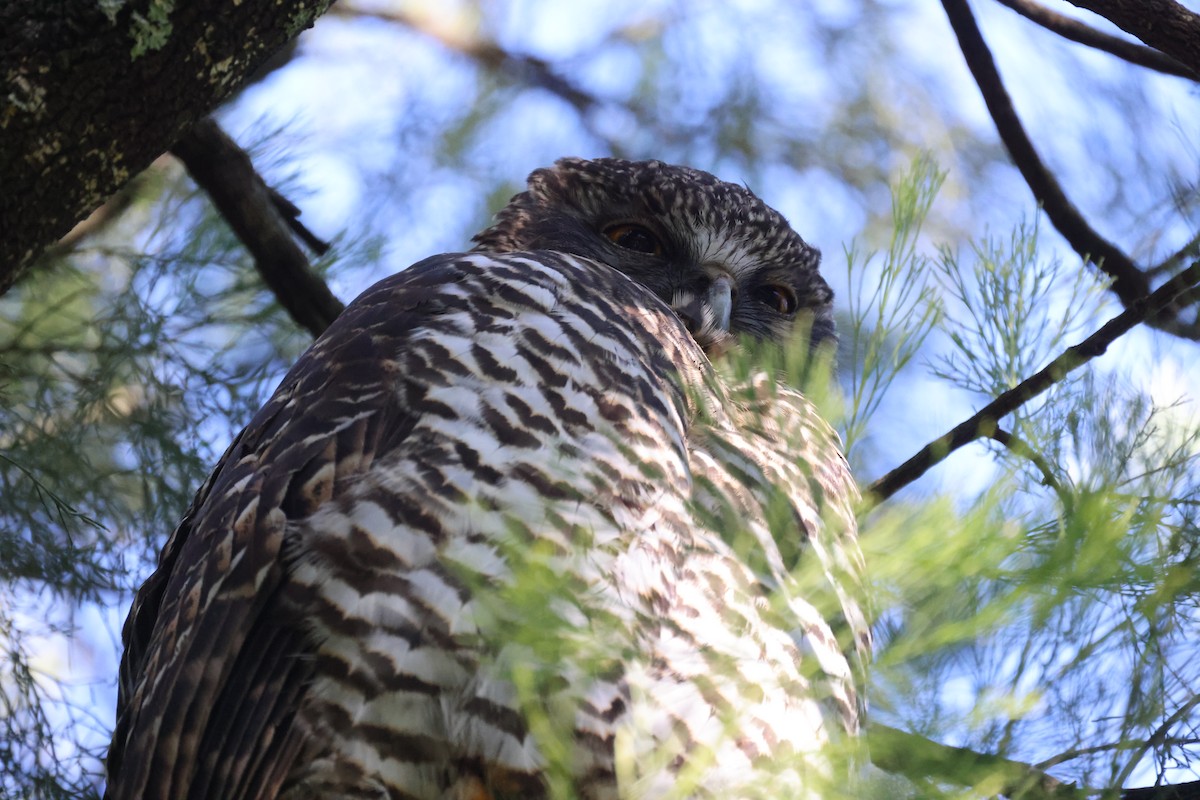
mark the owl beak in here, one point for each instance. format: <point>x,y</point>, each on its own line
<point>720,300</point>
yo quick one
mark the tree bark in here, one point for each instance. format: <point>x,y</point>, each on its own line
<point>93,90</point>
<point>1162,24</point>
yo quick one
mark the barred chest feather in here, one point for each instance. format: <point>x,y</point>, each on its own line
<point>555,452</point>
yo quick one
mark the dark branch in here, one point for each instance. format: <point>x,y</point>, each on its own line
<point>984,422</point>
<point>291,216</point>
<point>1179,791</point>
<point>1129,282</point>
<point>261,219</point>
<point>1076,31</point>
<point>1163,24</point>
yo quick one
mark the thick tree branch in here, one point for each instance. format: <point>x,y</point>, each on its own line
<point>1076,31</point>
<point>224,171</point>
<point>1163,24</point>
<point>1129,282</point>
<point>89,100</point>
<point>984,422</point>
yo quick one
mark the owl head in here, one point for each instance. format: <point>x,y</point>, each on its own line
<point>728,263</point>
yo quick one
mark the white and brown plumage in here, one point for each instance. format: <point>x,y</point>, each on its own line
<point>331,617</point>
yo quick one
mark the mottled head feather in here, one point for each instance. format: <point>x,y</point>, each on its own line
<point>706,226</point>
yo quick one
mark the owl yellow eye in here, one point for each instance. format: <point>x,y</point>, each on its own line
<point>780,298</point>
<point>634,237</point>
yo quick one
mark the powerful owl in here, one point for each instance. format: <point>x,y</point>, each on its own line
<point>504,530</point>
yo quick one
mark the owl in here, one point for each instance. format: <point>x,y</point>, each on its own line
<point>505,531</point>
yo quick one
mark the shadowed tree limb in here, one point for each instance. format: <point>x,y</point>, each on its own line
<point>1163,24</point>
<point>89,98</point>
<point>984,421</point>
<point>264,222</point>
<point>1076,31</point>
<point>1129,282</point>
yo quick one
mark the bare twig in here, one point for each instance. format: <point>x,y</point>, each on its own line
<point>1076,31</point>
<point>1163,24</point>
<point>984,422</point>
<point>1129,282</point>
<point>261,219</point>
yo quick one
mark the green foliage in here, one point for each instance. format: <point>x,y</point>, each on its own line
<point>891,308</point>
<point>1044,306</point>
<point>126,373</point>
<point>1053,608</point>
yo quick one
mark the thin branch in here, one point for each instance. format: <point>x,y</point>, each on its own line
<point>254,212</point>
<point>1163,24</point>
<point>1169,264</point>
<point>1161,734</point>
<point>1079,752</point>
<point>1077,31</point>
<point>1023,449</point>
<point>1129,282</point>
<point>530,70</point>
<point>984,422</point>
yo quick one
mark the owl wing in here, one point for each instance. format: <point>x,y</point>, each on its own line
<point>534,399</point>
<point>215,657</point>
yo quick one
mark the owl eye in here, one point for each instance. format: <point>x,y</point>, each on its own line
<point>634,237</point>
<point>779,298</point>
